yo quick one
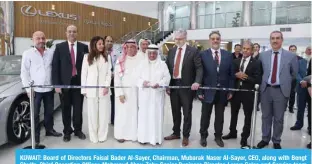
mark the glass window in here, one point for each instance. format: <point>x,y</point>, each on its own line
<point>228,13</point>
<point>182,11</point>
<point>261,13</point>
<point>220,20</point>
<point>290,12</point>
<point>228,6</point>
<point>204,15</point>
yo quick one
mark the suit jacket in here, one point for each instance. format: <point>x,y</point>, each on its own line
<point>239,56</point>
<point>288,70</point>
<point>253,70</point>
<point>309,73</point>
<point>192,70</point>
<point>302,72</point>
<point>62,66</point>
<point>94,75</point>
<point>226,74</point>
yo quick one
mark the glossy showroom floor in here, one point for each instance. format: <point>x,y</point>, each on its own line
<point>290,139</point>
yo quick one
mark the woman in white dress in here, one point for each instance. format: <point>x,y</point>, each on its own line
<point>96,71</point>
<point>126,105</point>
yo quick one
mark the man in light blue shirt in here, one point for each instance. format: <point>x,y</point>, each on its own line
<point>36,66</point>
<point>280,67</point>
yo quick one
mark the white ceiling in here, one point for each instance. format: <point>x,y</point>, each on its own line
<point>143,8</point>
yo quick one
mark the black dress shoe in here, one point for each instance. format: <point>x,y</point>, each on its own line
<point>219,142</point>
<point>53,133</point>
<point>66,138</point>
<point>229,136</point>
<point>295,128</point>
<point>262,144</point>
<point>203,142</point>
<point>80,135</point>
<point>277,146</point>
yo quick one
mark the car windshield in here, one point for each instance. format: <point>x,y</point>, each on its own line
<point>10,65</point>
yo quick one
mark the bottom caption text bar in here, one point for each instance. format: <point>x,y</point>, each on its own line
<point>163,156</point>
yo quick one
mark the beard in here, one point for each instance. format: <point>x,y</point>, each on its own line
<point>40,45</point>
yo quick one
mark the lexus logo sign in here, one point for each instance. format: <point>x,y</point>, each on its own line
<point>28,10</point>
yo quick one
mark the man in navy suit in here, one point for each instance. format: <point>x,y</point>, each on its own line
<point>218,72</point>
<point>303,98</point>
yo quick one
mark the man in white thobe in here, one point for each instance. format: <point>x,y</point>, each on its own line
<point>126,105</point>
<point>143,44</point>
<point>153,74</point>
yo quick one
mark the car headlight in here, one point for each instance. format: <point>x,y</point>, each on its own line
<point>2,98</point>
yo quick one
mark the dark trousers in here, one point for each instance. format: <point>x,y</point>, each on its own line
<point>291,101</point>
<point>112,102</point>
<point>48,104</point>
<point>206,114</point>
<point>181,98</point>
<point>303,99</point>
<point>247,99</point>
<point>72,99</point>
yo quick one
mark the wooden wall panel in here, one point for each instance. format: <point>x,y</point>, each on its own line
<point>55,27</point>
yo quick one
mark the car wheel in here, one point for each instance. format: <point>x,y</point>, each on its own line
<point>18,125</point>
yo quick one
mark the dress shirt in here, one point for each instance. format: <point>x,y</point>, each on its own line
<point>113,59</point>
<point>38,68</point>
<point>278,67</point>
<point>308,61</point>
<point>181,61</point>
<point>245,65</point>
<point>75,49</point>
<point>214,55</point>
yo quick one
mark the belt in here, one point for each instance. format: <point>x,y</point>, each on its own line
<point>273,86</point>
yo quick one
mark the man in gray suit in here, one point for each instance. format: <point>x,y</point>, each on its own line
<point>280,67</point>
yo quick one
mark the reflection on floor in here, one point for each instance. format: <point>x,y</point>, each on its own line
<point>290,139</point>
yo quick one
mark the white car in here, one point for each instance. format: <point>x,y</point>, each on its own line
<point>14,103</point>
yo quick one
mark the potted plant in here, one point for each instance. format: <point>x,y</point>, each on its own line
<point>236,20</point>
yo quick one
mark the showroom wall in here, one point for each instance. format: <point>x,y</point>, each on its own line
<point>53,17</point>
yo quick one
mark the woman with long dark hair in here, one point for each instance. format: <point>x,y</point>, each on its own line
<point>96,71</point>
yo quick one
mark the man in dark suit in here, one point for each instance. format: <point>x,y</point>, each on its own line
<point>256,54</point>
<point>292,97</point>
<point>309,90</point>
<point>248,74</point>
<point>218,72</point>
<point>237,51</point>
<point>114,56</point>
<point>303,97</point>
<point>66,70</point>
<point>185,68</point>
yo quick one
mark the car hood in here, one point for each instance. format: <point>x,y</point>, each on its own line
<point>7,82</point>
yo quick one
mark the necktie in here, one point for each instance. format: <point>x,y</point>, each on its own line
<point>177,64</point>
<point>274,72</point>
<point>217,58</point>
<point>72,55</point>
<point>242,66</point>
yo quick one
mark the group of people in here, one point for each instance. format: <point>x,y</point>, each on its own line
<point>139,79</point>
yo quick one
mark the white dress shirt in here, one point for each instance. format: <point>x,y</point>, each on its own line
<point>245,64</point>
<point>38,68</point>
<point>181,61</point>
<point>75,49</point>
